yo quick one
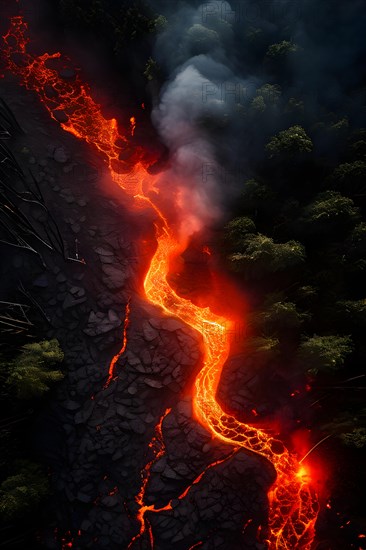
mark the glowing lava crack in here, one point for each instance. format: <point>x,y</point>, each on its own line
<point>293,505</point>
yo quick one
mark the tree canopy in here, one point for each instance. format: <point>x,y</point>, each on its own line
<point>22,491</point>
<point>262,255</point>
<point>290,142</point>
<point>32,373</point>
<point>281,49</point>
<point>279,316</point>
<point>324,353</point>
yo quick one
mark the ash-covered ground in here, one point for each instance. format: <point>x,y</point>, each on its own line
<point>96,440</point>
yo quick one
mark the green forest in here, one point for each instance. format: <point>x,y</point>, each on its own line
<point>293,236</point>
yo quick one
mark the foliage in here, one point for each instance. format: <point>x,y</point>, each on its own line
<point>254,34</point>
<point>282,49</point>
<point>267,96</point>
<point>236,230</point>
<point>266,346</point>
<point>280,315</point>
<point>256,195</point>
<point>350,177</point>
<point>264,255</point>
<point>118,25</point>
<point>324,353</point>
<point>290,142</point>
<point>23,491</point>
<point>271,93</point>
<point>340,127</point>
<point>32,372</point>
<point>151,69</point>
<point>330,208</point>
<point>355,438</point>
<point>356,245</point>
<point>357,149</point>
<point>258,105</point>
<point>352,312</point>
<point>159,23</point>
<point>359,235</point>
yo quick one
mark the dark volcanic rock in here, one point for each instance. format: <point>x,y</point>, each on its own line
<point>114,277</point>
<point>60,155</point>
<point>101,323</point>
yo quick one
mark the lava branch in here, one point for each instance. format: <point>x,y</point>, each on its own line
<point>158,447</point>
<point>112,365</point>
<point>293,505</point>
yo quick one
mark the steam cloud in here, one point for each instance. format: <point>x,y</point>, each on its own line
<point>187,101</point>
<point>176,119</point>
<point>203,114</point>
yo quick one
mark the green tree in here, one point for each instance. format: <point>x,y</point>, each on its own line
<point>357,149</point>
<point>117,26</point>
<point>340,128</point>
<point>281,49</point>
<point>23,491</point>
<point>330,212</point>
<point>159,23</point>
<point>257,196</point>
<point>262,255</point>
<point>290,142</point>
<point>152,69</point>
<point>32,372</point>
<point>278,316</point>
<point>258,105</point>
<point>355,438</point>
<point>255,35</point>
<point>356,244</point>
<point>236,231</point>
<point>268,347</point>
<point>324,353</point>
<point>271,93</point>
<point>350,177</point>
<point>267,96</point>
<point>352,312</point>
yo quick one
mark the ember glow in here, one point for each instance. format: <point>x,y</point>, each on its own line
<point>293,504</point>
<point>133,125</point>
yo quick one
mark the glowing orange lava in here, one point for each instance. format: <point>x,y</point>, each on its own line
<point>158,447</point>
<point>293,505</point>
<point>112,366</point>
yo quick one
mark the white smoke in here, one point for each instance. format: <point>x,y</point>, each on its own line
<point>187,104</point>
<point>177,117</point>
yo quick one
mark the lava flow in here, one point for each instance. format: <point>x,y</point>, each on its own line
<point>293,505</point>
<point>158,447</point>
<point>112,366</point>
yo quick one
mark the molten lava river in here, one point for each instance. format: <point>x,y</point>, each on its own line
<point>293,504</point>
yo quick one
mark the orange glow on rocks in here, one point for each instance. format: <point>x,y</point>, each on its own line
<point>293,503</point>
<point>158,447</point>
<point>133,125</point>
<point>294,506</point>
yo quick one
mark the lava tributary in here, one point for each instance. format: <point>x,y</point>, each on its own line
<point>113,363</point>
<point>293,504</point>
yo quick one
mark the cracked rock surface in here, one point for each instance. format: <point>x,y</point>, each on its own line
<point>96,439</point>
